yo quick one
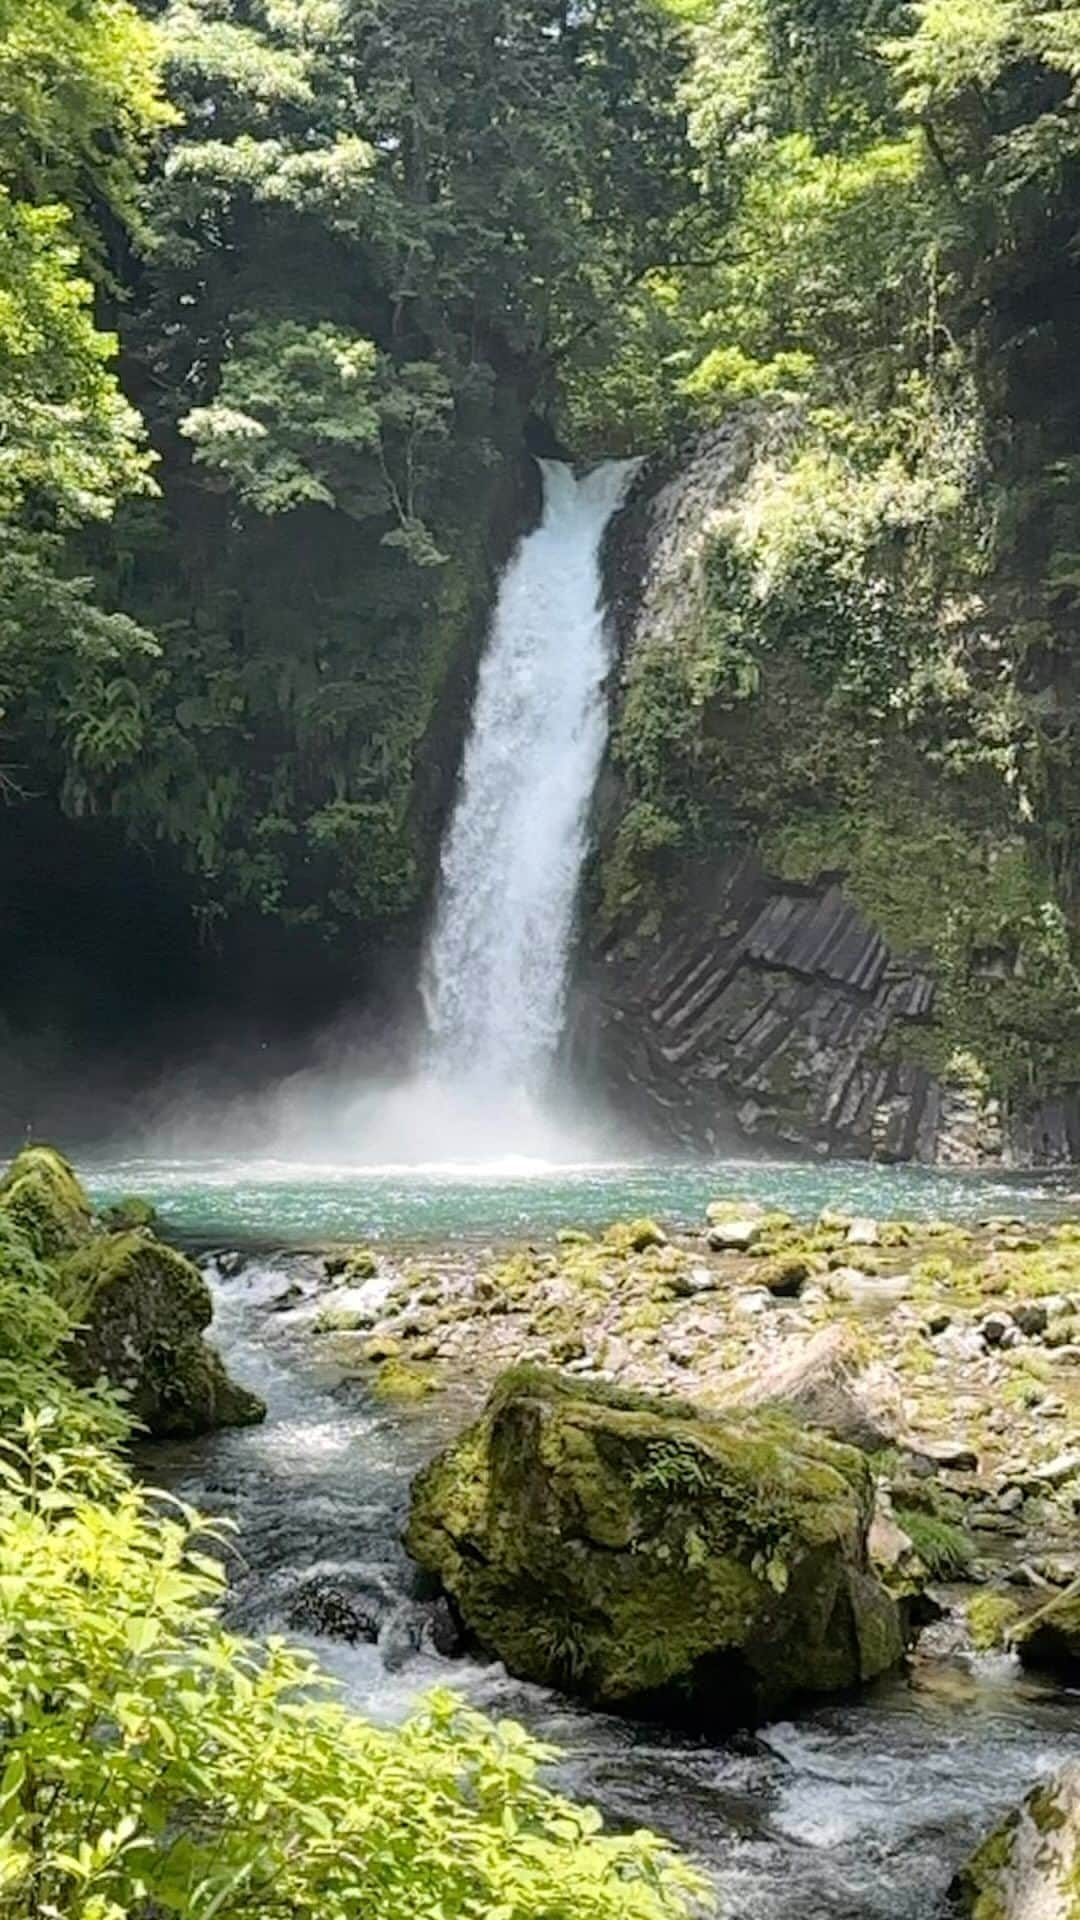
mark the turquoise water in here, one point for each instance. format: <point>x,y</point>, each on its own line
<point>278,1203</point>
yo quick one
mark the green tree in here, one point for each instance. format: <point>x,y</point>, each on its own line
<point>78,99</point>
<point>377,235</point>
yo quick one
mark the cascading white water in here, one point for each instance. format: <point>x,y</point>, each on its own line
<point>497,964</point>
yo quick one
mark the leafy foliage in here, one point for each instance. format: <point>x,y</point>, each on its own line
<point>178,1769</point>
<point>868,673</point>
<point>372,239</point>
<point>155,1763</point>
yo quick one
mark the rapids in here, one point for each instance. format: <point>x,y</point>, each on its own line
<point>858,1811</point>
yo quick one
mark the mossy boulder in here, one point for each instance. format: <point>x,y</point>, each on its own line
<point>142,1310</point>
<point>404,1382</point>
<point>1029,1867</point>
<point>1051,1637</point>
<point>130,1212</point>
<point>140,1307</point>
<point>41,1193</point>
<point>634,1236</point>
<point>654,1558</point>
<point>354,1265</point>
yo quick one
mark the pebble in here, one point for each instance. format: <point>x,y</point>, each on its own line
<point>995,1329</point>
<point>752,1302</point>
<point>1032,1318</point>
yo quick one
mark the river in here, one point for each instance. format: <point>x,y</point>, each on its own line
<point>859,1811</point>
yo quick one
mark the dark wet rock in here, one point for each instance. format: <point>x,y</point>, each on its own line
<point>1051,1637</point>
<point>288,1298</point>
<point>332,1606</point>
<point>996,1328</point>
<point>1032,1318</point>
<point>654,1558</point>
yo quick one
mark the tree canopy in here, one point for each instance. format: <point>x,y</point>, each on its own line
<point>292,287</point>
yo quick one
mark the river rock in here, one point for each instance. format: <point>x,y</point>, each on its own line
<point>868,1289</point>
<point>654,1558</point>
<point>41,1193</point>
<point>827,1382</point>
<point>1051,1637</point>
<point>140,1308</point>
<point>864,1233</point>
<point>785,1276</point>
<point>734,1229</point>
<point>1029,1867</point>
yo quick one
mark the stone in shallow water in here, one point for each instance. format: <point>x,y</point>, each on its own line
<point>736,1235</point>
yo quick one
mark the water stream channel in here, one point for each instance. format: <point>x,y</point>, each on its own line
<point>858,1811</point>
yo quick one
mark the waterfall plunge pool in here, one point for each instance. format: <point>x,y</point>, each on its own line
<point>236,1202</point>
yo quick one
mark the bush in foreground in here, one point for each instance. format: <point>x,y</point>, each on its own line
<point>154,1764</point>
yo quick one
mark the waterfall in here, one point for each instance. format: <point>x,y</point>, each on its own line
<point>496,974</point>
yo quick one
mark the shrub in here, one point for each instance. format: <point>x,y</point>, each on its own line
<point>35,1329</point>
<point>943,1546</point>
<point>154,1764</point>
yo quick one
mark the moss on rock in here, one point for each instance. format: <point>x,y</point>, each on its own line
<point>1028,1868</point>
<point>655,1558</point>
<point>142,1309</point>
<point>42,1194</point>
<point>130,1212</point>
<point>404,1382</point>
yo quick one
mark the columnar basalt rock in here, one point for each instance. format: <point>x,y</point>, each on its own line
<point>724,994</point>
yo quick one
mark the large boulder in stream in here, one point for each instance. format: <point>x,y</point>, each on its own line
<point>654,1558</point>
<point>1029,1867</point>
<point>140,1307</point>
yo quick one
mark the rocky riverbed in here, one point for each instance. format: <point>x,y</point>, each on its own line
<point>950,1353</point>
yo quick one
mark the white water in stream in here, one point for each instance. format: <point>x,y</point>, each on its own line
<point>498,960</point>
<point>861,1810</point>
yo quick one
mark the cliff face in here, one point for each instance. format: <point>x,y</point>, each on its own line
<point>732,994</point>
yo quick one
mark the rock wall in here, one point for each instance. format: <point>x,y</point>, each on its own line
<point>751,1009</point>
<point>764,1014</point>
